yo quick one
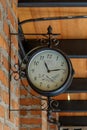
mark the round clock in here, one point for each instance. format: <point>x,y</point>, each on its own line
<point>49,71</point>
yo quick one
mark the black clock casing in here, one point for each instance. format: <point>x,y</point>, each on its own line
<point>43,79</point>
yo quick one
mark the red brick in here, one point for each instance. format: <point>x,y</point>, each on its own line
<point>10,16</point>
<point>6,127</point>
<point>23,113</point>
<point>2,111</point>
<point>52,126</point>
<point>5,96</point>
<point>23,129</point>
<point>4,44</point>
<point>23,92</point>
<point>15,9</point>
<point>30,121</point>
<point>4,47</point>
<point>27,101</point>
<point>15,104</point>
<point>35,128</point>
<point>6,29</point>
<point>24,82</point>
<point>5,63</point>
<point>33,92</point>
<point>0,15</point>
<point>1,125</point>
<point>3,2</point>
<point>3,78</point>
<point>36,113</point>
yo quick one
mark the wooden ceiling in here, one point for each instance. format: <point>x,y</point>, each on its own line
<point>69,29</point>
<point>73,28</point>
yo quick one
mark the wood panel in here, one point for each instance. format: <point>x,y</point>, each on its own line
<point>71,96</point>
<point>69,29</point>
<point>69,46</point>
<point>52,3</point>
<point>73,114</point>
<point>69,106</point>
<point>75,28</point>
<point>73,121</point>
<point>80,67</point>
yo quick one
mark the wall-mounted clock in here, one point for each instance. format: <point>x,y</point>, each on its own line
<point>49,71</point>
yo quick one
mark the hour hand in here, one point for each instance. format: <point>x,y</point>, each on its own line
<point>46,66</point>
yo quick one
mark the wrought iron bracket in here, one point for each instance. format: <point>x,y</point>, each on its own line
<point>15,71</point>
<point>52,104</point>
<point>18,72</point>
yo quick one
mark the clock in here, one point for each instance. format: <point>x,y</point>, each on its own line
<point>49,71</point>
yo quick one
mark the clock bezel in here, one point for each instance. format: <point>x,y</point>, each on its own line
<point>67,82</point>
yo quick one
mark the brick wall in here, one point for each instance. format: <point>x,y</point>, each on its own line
<point>8,18</point>
<point>33,120</point>
<point>27,120</point>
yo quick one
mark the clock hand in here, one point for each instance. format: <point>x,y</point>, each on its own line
<point>51,70</point>
<point>46,66</point>
<point>56,70</point>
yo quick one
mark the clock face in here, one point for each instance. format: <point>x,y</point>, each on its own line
<point>48,70</point>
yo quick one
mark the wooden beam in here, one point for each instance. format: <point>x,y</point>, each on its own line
<point>69,46</point>
<point>52,3</point>
<point>79,85</point>
<point>69,106</point>
<point>78,128</point>
<point>73,121</point>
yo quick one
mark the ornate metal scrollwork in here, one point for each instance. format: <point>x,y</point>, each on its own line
<point>52,104</point>
<point>19,71</point>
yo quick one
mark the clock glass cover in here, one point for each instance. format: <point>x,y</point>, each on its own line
<point>48,70</point>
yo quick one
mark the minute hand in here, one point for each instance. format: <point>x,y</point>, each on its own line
<point>57,70</point>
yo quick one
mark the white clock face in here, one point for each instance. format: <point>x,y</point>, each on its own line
<point>48,70</point>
